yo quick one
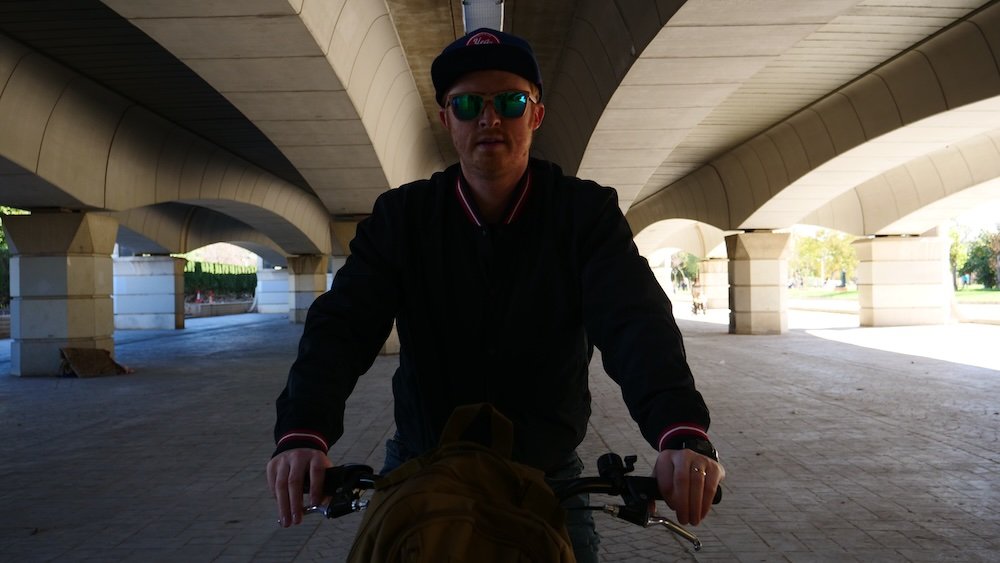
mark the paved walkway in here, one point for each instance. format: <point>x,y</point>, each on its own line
<point>836,450</point>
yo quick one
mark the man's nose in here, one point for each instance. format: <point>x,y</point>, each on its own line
<point>489,116</point>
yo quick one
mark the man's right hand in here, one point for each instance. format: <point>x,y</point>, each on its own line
<point>285,477</point>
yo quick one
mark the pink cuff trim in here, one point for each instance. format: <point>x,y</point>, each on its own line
<point>683,429</point>
<point>310,436</point>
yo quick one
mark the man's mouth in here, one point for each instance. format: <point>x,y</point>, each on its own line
<point>490,141</point>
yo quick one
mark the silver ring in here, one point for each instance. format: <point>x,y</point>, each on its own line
<point>699,470</point>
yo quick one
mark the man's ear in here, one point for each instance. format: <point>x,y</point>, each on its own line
<point>443,116</point>
<point>537,115</point>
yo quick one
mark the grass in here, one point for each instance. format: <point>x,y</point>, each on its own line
<point>971,294</point>
<point>821,293</point>
<point>978,295</point>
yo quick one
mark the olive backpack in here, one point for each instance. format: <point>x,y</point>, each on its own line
<point>464,501</point>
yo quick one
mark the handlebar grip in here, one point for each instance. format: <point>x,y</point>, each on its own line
<point>339,476</point>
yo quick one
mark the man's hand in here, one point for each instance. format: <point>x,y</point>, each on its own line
<point>687,481</point>
<point>285,476</point>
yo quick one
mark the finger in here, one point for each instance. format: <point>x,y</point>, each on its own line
<point>294,487</point>
<point>708,493</point>
<point>281,494</point>
<point>696,494</point>
<point>716,473</point>
<point>681,493</point>
<point>271,470</point>
<point>317,474</point>
<point>663,470</point>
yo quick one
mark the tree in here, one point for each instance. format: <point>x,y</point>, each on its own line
<point>685,265</point>
<point>993,239</point>
<point>983,259</point>
<point>957,255</point>
<point>5,257</point>
<point>823,255</point>
<point>4,210</point>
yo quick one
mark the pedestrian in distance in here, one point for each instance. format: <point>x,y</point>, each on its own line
<point>502,275</point>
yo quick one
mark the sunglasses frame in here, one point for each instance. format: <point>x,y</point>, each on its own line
<point>484,98</point>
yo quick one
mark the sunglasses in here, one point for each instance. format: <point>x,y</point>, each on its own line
<point>507,104</point>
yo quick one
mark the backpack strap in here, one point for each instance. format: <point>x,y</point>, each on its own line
<point>465,416</point>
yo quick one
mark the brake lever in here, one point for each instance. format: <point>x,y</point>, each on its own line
<point>642,517</point>
<point>675,528</point>
<point>337,509</point>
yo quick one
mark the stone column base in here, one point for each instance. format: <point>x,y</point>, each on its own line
<point>60,286</point>
<point>271,293</point>
<point>713,274</point>
<point>306,282</point>
<point>149,293</point>
<point>758,270</point>
<point>903,281</point>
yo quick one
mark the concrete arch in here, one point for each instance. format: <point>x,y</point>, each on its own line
<point>686,68</point>
<point>601,46</point>
<point>938,93</point>
<point>921,194</point>
<point>104,153</point>
<point>699,239</point>
<point>174,228</point>
<point>327,82</point>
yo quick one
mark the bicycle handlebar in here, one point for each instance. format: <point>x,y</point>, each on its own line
<point>614,480</point>
<point>344,484</point>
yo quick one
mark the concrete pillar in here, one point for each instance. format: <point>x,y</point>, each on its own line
<point>149,292</point>
<point>336,263</point>
<point>391,345</point>
<point>60,285</point>
<point>903,281</point>
<point>758,272</point>
<point>306,282</point>
<point>713,274</point>
<point>271,293</point>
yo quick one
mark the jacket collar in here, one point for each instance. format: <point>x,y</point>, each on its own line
<point>514,207</point>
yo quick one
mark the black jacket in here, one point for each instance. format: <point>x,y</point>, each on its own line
<point>507,314</point>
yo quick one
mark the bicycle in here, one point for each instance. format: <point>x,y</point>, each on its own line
<point>347,484</point>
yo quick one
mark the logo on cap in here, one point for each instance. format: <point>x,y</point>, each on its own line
<point>483,38</point>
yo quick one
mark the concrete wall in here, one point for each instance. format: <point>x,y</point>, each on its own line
<point>149,292</point>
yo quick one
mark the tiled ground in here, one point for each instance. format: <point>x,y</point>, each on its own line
<point>836,450</point>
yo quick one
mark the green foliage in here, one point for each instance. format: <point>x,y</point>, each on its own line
<point>958,254</point>
<point>823,256</point>
<point>983,258</point>
<point>221,279</point>
<point>4,277</point>
<point>5,257</point>
<point>4,210</point>
<point>684,264</point>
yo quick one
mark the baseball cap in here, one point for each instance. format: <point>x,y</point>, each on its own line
<point>483,49</point>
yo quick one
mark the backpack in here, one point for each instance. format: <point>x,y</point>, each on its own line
<point>464,502</point>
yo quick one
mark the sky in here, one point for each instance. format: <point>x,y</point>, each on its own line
<point>985,217</point>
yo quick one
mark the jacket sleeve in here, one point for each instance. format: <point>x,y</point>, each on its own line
<point>630,320</point>
<point>344,330</point>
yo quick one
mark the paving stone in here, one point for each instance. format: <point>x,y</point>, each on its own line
<point>834,451</point>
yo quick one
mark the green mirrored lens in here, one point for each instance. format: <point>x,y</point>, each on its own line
<point>510,104</point>
<point>467,106</point>
<point>507,104</point>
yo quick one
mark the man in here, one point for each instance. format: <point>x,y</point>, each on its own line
<point>502,275</point>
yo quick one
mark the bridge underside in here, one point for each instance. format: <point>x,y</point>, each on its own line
<point>166,126</point>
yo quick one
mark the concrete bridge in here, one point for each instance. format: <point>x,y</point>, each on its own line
<point>163,126</point>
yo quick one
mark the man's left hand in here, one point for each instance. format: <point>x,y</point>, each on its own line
<point>687,481</point>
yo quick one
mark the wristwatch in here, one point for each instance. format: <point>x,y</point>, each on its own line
<point>699,445</point>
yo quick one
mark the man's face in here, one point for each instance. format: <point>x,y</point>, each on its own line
<point>489,143</point>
